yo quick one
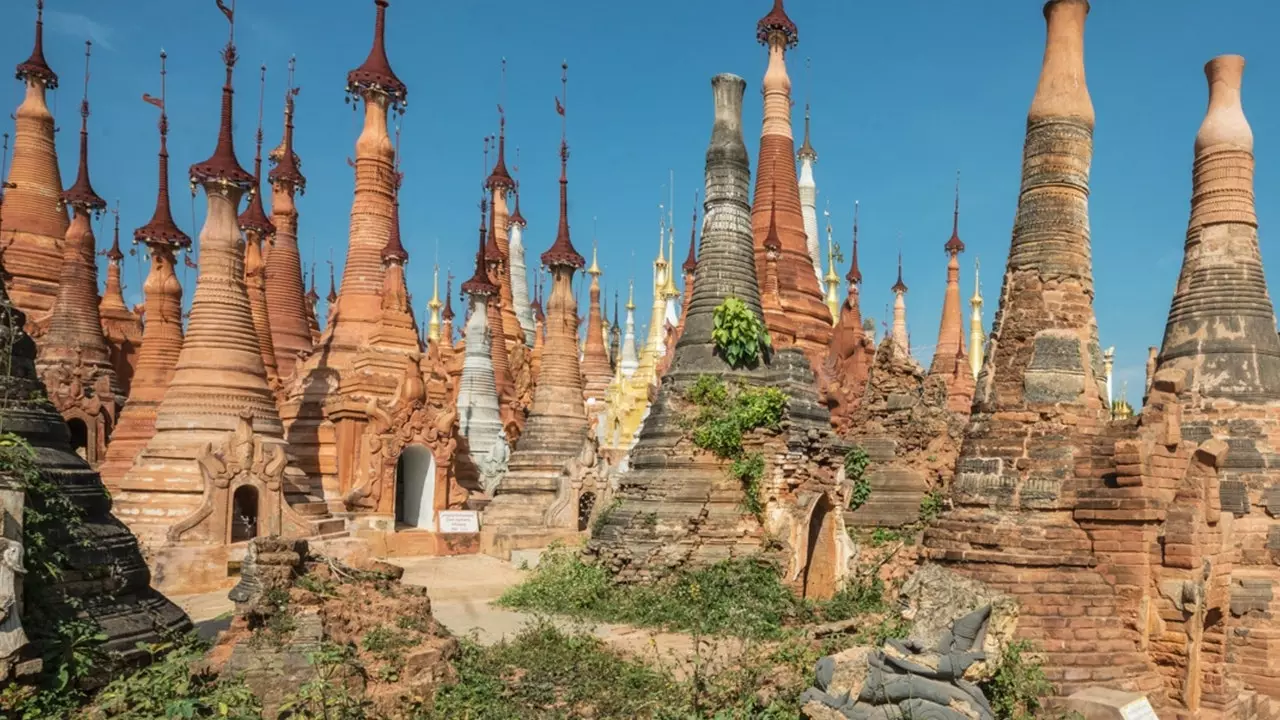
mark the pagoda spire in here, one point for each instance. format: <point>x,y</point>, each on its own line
<point>257,229</point>
<point>519,271</point>
<point>162,333</point>
<point>630,359</point>
<point>596,372</point>
<point>950,343</point>
<point>851,306</point>
<point>74,360</point>
<point>794,309</point>
<point>500,184</point>
<point>433,307</point>
<point>479,418</point>
<point>615,336</point>
<point>808,157</point>
<point>689,267</point>
<point>976,337</point>
<point>34,222</point>
<point>287,306</point>
<point>831,279</point>
<point>113,293</point>
<point>120,325</point>
<point>901,340</point>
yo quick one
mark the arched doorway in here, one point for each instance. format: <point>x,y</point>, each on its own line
<point>820,561</point>
<point>79,437</point>
<point>416,488</point>
<point>244,514</point>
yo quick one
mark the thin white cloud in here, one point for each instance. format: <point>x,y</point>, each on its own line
<point>80,26</point>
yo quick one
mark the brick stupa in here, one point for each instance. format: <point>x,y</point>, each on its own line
<point>74,360</point>
<point>949,360</point>
<point>530,506</point>
<point>259,233</point>
<point>678,505</point>
<point>325,451</point>
<point>217,471</point>
<point>596,372</point>
<point>796,315</point>
<point>287,308</point>
<point>121,325</point>
<point>851,353</point>
<point>35,222</point>
<point>162,334</point>
<point>1040,404</point>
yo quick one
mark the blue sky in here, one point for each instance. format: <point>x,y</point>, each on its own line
<point>903,95</point>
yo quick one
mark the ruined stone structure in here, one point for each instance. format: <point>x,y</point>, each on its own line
<point>74,360</point>
<point>538,499</point>
<point>162,334</point>
<point>325,445</point>
<point>948,355</point>
<point>288,313</point>
<point>120,325</point>
<point>848,363</point>
<point>107,575</point>
<point>596,373</point>
<point>808,157</point>
<point>678,505</point>
<point>798,316</point>
<point>1031,452</point>
<point>259,231</point>
<point>35,221</point>
<point>217,472</point>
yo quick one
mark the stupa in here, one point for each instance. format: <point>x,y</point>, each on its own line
<point>596,373</point>
<point>677,505</point>
<point>977,337</point>
<point>74,360</point>
<point>519,272</point>
<point>808,157</point>
<point>35,221</point>
<point>162,334</point>
<point>217,472</point>
<point>259,231</point>
<point>852,351</point>
<point>120,325</point>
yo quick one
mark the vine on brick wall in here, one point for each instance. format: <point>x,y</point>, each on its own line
<point>725,414</point>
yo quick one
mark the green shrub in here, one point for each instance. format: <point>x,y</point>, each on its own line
<point>738,333</point>
<point>1018,688</point>
<point>931,506</point>
<point>855,471</point>
<point>723,419</point>
<point>749,470</point>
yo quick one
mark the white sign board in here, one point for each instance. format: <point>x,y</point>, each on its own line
<point>459,521</point>
<point>1138,710</point>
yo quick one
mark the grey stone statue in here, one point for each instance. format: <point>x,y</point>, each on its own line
<point>493,465</point>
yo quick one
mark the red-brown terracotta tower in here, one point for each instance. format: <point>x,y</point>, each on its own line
<point>258,229</point>
<point>217,469</point>
<point>596,372</point>
<point>35,222</point>
<point>798,315</point>
<point>948,354</point>
<point>74,361</point>
<point>690,267</point>
<point>287,308</point>
<point>557,424</point>
<point>162,333</point>
<point>498,308</point>
<point>851,353</point>
<point>121,326</point>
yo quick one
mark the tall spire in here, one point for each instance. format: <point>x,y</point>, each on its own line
<point>223,167</point>
<point>447,314</point>
<point>954,245</point>
<point>831,279</point>
<point>433,307</point>
<point>562,251</point>
<point>375,73</point>
<point>394,250</point>
<point>288,165</point>
<point>254,218</point>
<point>500,179</point>
<point>950,346</point>
<point>855,275</point>
<point>161,228</point>
<point>81,194</point>
<point>899,286</point>
<point>35,67</point>
<point>479,284</point>
<point>691,262</point>
<point>901,340</point>
<point>976,337</point>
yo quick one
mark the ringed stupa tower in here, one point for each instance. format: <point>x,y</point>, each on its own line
<point>287,310</point>
<point>259,230</point>
<point>808,157</point>
<point>217,470</point>
<point>121,326</point>
<point>74,360</point>
<point>162,333</point>
<point>595,358</point>
<point>796,314</point>
<point>528,504</point>
<point>519,271</point>
<point>977,338</point>
<point>479,417</point>
<point>35,221</point>
<point>901,339</point>
<point>354,315</point>
<point>500,184</point>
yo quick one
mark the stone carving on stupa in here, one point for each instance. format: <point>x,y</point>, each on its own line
<point>35,220</point>
<point>949,362</point>
<point>288,313</point>
<point>259,232</point>
<point>1031,451</point>
<point>162,333</point>
<point>795,314</point>
<point>74,360</point>
<point>543,478</point>
<point>106,576</point>
<point>844,374</point>
<point>678,506</point>
<point>217,471</point>
<point>121,326</point>
<point>324,450</point>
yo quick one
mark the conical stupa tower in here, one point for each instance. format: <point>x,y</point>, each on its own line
<point>831,281</point>
<point>852,351</point>
<point>446,315</point>
<point>901,339</point>
<point>519,272</point>
<point>1039,408</point>
<point>630,358</point>
<point>354,317</point>
<point>615,337</point>
<point>678,506</point>
<point>798,316</point>
<point>808,157</point>
<point>595,358</point>
<point>121,326</point>
<point>35,221</point>
<point>977,338</point>
<point>496,262</point>
<point>217,470</point>
<point>287,310</point>
<point>951,327</point>
<point>258,231</point>
<point>74,360</point>
<point>433,308</point>
<point>479,419</point>
<point>528,503</point>
<point>689,268</point>
<point>162,333</point>
<point>500,184</point>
